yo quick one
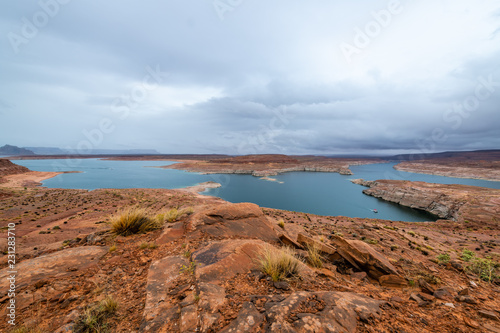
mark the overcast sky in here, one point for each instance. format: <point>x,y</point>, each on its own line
<point>241,76</point>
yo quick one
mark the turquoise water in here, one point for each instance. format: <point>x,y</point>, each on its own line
<point>98,173</point>
<point>310,192</point>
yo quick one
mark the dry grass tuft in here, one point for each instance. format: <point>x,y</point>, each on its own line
<point>173,215</point>
<point>94,319</point>
<point>280,264</point>
<point>314,257</point>
<point>133,221</point>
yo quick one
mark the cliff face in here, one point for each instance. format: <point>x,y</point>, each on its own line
<point>9,168</point>
<point>456,202</point>
<point>271,165</point>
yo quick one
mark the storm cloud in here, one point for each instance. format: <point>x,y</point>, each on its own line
<point>241,77</point>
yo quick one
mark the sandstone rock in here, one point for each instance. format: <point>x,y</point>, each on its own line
<point>364,257</point>
<point>290,242</point>
<point>281,285</point>
<point>359,275</point>
<point>450,305</point>
<point>336,311</point>
<point>247,321</point>
<point>426,287</point>
<point>464,292</point>
<point>222,260</point>
<point>471,323</point>
<point>322,247</point>
<point>420,301</point>
<point>58,264</point>
<point>158,311</point>
<point>442,294</point>
<point>244,220</point>
<point>168,235</point>
<point>488,314</point>
<point>393,281</point>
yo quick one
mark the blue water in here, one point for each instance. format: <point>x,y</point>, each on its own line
<point>98,173</point>
<point>310,192</point>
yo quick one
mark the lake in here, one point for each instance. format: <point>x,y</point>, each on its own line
<point>311,192</point>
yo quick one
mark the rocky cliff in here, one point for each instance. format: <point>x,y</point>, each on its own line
<point>456,202</point>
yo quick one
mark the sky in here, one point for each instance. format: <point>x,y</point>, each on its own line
<point>251,77</point>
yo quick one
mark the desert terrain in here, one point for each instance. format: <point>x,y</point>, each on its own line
<point>200,270</point>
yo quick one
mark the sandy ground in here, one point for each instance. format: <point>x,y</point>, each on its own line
<point>29,179</point>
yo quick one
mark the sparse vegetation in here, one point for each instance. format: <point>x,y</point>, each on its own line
<point>281,224</point>
<point>485,268</point>
<point>280,264</point>
<point>314,256</point>
<point>443,258</point>
<point>467,255</point>
<point>172,215</point>
<point>188,269</point>
<point>133,221</point>
<point>148,246</point>
<point>94,319</point>
<point>112,248</point>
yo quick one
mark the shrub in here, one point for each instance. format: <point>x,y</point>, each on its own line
<point>172,215</point>
<point>280,264</point>
<point>443,258</point>
<point>281,224</point>
<point>133,221</point>
<point>314,257</point>
<point>467,255</point>
<point>485,268</point>
<point>94,318</point>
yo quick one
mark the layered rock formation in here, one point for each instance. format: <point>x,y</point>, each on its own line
<point>270,165</point>
<point>456,202</point>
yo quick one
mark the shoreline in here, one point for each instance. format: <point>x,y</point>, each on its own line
<point>28,179</point>
<point>444,173</point>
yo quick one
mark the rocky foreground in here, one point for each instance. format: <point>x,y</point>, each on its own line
<point>199,273</point>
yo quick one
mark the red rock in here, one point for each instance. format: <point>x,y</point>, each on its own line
<point>393,281</point>
<point>322,247</point>
<point>243,220</point>
<point>175,232</point>
<point>488,314</point>
<point>290,242</point>
<point>364,257</point>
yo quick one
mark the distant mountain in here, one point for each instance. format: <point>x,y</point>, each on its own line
<point>486,155</point>
<point>14,151</point>
<point>59,151</point>
<point>46,150</point>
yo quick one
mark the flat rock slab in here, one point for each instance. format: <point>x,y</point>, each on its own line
<point>309,312</point>
<point>159,313</point>
<point>244,220</point>
<point>57,264</point>
<point>168,235</point>
<point>223,260</point>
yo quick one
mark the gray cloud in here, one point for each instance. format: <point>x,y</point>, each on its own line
<point>270,77</point>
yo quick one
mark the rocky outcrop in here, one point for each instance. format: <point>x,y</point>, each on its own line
<point>242,220</point>
<point>418,195</point>
<point>58,264</point>
<point>363,257</point>
<point>9,168</point>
